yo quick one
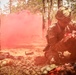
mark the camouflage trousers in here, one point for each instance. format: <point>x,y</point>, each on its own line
<point>58,51</point>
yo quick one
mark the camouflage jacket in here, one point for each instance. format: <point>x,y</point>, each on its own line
<point>55,33</point>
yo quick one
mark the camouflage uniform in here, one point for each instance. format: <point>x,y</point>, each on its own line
<point>57,41</point>
<point>56,34</point>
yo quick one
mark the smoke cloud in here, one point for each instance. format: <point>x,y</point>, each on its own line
<point>20,29</point>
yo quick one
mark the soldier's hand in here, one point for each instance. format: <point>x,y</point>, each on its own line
<point>69,36</point>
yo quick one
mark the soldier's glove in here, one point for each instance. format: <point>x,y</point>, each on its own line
<point>66,53</point>
<point>74,34</point>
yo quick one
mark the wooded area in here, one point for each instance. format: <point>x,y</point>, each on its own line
<point>45,7</point>
<point>17,24</point>
<point>35,5</point>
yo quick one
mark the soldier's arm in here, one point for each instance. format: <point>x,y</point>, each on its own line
<point>52,35</point>
<point>60,45</point>
<point>53,39</point>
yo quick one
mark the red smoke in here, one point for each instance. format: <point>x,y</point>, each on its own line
<point>20,29</point>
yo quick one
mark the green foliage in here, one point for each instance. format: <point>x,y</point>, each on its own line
<point>34,5</point>
<point>20,5</point>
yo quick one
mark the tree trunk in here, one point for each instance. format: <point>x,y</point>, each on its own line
<point>59,3</point>
<point>49,10</point>
<point>10,5</point>
<point>43,14</point>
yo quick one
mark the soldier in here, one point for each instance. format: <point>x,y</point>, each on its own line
<point>61,35</point>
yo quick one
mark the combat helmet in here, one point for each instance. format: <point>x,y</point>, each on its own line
<point>63,14</point>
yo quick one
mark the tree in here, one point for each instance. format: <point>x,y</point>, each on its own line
<point>34,5</point>
<point>47,4</point>
<point>59,3</point>
<point>10,5</point>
